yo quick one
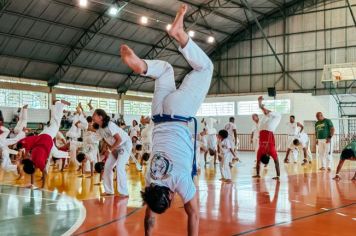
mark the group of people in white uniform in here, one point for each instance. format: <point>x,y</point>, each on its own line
<point>96,142</point>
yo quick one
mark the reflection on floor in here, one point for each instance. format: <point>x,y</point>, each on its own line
<point>305,201</point>
<point>38,212</point>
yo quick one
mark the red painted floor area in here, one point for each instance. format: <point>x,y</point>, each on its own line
<point>306,203</point>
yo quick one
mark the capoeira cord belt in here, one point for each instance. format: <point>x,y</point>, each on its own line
<point>169,118</point>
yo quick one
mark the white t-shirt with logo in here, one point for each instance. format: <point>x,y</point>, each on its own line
<point>110,131</point>
<point>230,127</point>
<point>303,139</point>
<point>210,126</point>
<point>146,134</point>
<point>292,129</point>
<point>172,159</point>
<point>134,130</point>
<point>270,121</point>
<point>226,145</point>
<point>255,131</point>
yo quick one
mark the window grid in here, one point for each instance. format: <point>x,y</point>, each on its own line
<point>18,98</point>
<point>137,108</point>
<point>251,107</point>
<point>109,105</point>
<point>217,109</point>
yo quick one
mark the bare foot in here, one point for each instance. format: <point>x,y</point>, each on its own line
<point>177,29</point>
<point>132,60</point>
<point>276,178</point>
<point>256,176</point>
<point>106,194</point>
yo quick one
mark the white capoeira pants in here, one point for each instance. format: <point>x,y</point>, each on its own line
<point>325,151</point>
<point>22,123</point>
<point>186,100</point>
<point>6,164</point>
<point>119,161</point>
<point>56,118</point>
<point>225,167</point>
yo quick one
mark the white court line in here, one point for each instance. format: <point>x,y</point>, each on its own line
<point>354,219</point>
<point>325,209</point>
<point>341,214</point>
<point>310,205</point>
<point>80,220</point>
<point>295,201</point>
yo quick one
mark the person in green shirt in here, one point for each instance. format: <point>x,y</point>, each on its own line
<point>324,131</point>
<point>349,153</point>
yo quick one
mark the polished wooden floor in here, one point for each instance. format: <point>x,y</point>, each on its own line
<point>305,201</point>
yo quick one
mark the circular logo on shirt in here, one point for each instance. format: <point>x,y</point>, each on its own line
<point>161,166</point>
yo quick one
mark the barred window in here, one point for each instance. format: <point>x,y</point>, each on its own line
<point>109,105</point>
<point>217,109</point>
<point>251,107</point>
<point>137,108</point>
<point>18,98</point>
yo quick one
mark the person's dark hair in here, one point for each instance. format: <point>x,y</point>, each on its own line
<point>157,198</point>
<point>232,119</point>
<point>1,118</point>
<point>145,156</point>
<point>138,147</point>
<point>223,133</point>
<point>99,167</point>
<point>80,139</point>
<point>89,119</point>
<point>292,117</point>
<point>265,159</point>
<point>135,122</point>
<point>96,126</point>
<point>19,146</point>
<point>28,166</point>
<point>296,142</point>
<point>106,118</point>
<point>347,154</point>
<point>212,152</point>
<point>80,157</point>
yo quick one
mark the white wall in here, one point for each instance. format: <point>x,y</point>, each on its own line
<point>304,106</point>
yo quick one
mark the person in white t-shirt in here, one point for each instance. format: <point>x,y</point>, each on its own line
<point>211,138</point>
<point>231,129</point>
<point>255,132</point>
<point>226,155</point>
<point>146,138</point>
<point>118,153</point>
<point>170,169</point>
<point>267,147</point>
<point>301,141</point>
<point>134,129</point>
<point>293,130</point>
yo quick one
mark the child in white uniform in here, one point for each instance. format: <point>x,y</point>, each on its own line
<point>226,155</point>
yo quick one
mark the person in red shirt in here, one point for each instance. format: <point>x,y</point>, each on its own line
<point>40,147</point>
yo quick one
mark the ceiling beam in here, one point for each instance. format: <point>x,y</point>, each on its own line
<point>188,21</point>
<point>94,28</point>
<point>81,30</point>
<point>65,46</point>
